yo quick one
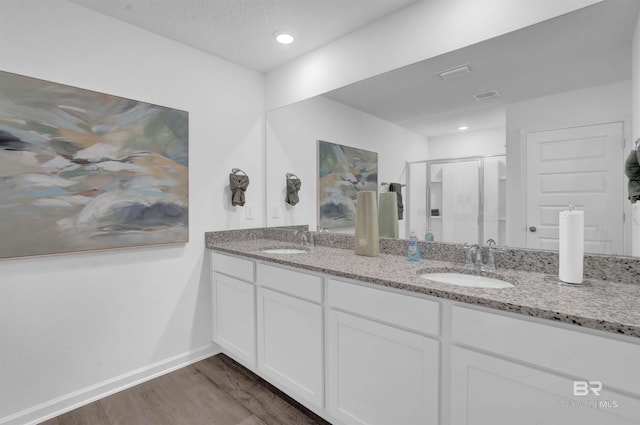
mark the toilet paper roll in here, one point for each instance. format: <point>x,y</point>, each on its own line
<point>388,215</point>
<point>571,246</point>
<point>635,229</point>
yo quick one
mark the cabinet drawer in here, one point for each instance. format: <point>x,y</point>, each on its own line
<point>233,266</point>
<point>410,312</point>
<point>577,353</point>
<point>295,283</point>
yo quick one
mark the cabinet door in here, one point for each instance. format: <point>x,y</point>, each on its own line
<point>489,390</point>
<point>290,345</point>
<point>379,374</point>
<point>234,321</point>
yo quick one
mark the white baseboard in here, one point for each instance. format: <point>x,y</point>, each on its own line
<point>67,402</point>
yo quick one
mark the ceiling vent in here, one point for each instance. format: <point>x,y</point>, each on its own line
<point>455,72</point>
<point>487,95</point>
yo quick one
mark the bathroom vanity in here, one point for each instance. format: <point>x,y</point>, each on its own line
<point>366,340</point>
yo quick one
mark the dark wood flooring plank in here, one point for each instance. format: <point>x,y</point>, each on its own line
<point>214,391</point>
<point>92,413</point>
<point>265,401</point>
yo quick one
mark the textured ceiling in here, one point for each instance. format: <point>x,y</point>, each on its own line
<point>242,31</point>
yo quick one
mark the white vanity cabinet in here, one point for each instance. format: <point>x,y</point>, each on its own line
<point>382,368</point>
<point>290,332</point>
<point>362,354</point>
<point>506,370</point>
<point>233,295</point>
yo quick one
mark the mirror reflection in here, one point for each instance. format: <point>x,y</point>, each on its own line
<point>492,140</point>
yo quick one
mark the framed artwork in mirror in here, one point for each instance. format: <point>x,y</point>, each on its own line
<point>343,171</point>
<point>82,170</point>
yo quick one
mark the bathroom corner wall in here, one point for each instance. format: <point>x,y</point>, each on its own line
<point>74,327</point>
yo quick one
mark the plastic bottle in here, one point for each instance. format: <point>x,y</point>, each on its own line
<point>413,251</point>
<point>428,237</point>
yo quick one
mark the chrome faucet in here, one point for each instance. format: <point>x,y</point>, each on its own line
<point>307,238</point>
<point>478,264</point>
<point>471,250</point>
<point>303,237</point>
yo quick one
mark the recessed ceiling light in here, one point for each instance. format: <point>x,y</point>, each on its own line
<point>463,127</point>
<point>284,38</point>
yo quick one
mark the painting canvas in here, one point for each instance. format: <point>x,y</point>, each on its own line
<point>82,170</point>
<point>343,172</point>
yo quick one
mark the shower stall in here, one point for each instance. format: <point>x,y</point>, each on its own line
<point>459,200</point>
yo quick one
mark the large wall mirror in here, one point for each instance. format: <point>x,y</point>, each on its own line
<point>547,111</point>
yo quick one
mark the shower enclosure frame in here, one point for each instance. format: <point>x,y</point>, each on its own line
<point>481,195</point>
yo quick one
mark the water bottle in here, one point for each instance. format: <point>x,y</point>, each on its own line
<point>413,251</point>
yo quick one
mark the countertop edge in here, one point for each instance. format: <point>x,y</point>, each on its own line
<point>541,313</point>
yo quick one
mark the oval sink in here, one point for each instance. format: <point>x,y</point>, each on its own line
<point>469,280</point>
<point>284,251</point>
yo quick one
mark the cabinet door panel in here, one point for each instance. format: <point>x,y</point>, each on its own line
<point>234,317</point>
<point>381,375</point>
<point>574,352</point>
<point>493,391</point>
<point>290,344</point>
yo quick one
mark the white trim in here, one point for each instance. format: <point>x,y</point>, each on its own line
<point>57,406</point>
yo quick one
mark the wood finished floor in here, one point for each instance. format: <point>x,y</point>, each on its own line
<point>215,391</point>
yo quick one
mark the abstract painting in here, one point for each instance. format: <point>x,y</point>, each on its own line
<point>343,172</point>
<point>82,170</point>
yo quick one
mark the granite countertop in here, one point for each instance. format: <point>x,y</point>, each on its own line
<point>607,306</point>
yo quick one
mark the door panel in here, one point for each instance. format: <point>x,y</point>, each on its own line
<point>580,166</point>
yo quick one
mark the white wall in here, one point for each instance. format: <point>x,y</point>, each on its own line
<point>635,250</point>
<point>88,323</point>
<point>292,134</point>
<point>419,31</point>
<point>636,80</point>
<point>490,141</point>
<point>594,105</point>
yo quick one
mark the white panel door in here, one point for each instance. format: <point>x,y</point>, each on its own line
<point>234,321</point>
<point>290,345</point>
<point>582,166</point>
<point>486,390</point>
<point>381,375</point>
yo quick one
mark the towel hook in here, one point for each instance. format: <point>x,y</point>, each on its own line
<point>237,170</point>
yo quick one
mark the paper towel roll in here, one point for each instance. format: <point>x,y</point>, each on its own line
<point>367,240</point>
<point>388,215</point>
<point>635,229</point>
<point>571,246</point>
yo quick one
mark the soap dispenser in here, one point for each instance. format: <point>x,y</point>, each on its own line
<point>428,236</point>
<point>413,251</point>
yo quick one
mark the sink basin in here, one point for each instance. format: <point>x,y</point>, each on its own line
<point>284,251</point>
<point>469,280</point>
